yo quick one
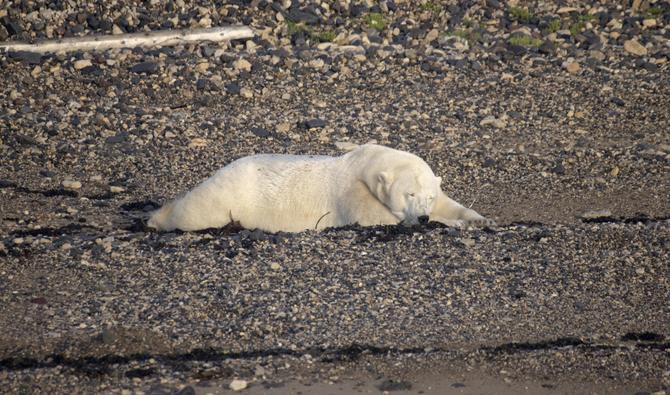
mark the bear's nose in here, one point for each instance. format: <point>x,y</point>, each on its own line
<point>423,219</point>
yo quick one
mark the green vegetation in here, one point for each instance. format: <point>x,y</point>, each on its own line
<point>432,7</point>
<point>519,13</point>
<point>375,20</point>
<point>295,27</point>
<point>586,17</point>
<point>525,41</point>
<point>324,37</point>
<point>577,27</point>
<point>469,35</point>
<point>654,12</point>
<point>553,26</point>
<point>299,27</point>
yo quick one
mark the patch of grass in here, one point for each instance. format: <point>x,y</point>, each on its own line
<point>525,41</point>
<point>654,12</point>
<point>586,18</point>
<point>432,7</point>
<point>553,26</point>
<point>466,34</point>
<point>519,13</point>
<point>375,20</point>
<point>324,37</point>
<point>295,27</point>
<point>577,27</point>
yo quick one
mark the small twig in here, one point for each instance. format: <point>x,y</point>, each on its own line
<point>317,222</point>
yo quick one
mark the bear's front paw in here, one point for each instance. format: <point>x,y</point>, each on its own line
<point>480,223</point>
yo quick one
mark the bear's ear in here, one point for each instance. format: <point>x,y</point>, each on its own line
<point>385,178</point>
<point>439,180</point>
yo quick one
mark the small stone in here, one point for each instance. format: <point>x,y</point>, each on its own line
<point>284,127</point>
<point>116,30</point>
<point>432,36</point>
<point>238,385</point>
<point>246,93</point>
<point>144,67</point>
<point>594,214</point>
<point>491,120</point>
<point>315,123</point>
<point>649,23</point>
<point>81,63</point>
<point>260,132</point>
<point>275,266</point>
<point>615,171</point>
<point>197,143</point>
<point>18,240</point>
<point>71,184</point>
<point>316,63</point>
<point>188,390</point>
<point>468,242</point>
<point>242,64</point>
<point>202,67</point>
<point>36,71</point>
<point>572,67</point>
<point>639,270</point>
<point>116,189</point>
<point>634,47</point>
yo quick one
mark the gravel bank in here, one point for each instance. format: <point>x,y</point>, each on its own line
<point>554,121</point>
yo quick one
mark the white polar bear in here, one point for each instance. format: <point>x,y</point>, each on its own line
<point>370,185</point>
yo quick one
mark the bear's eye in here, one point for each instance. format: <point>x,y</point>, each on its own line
<point>410,194</point>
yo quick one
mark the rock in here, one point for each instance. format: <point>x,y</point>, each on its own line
<point>36,71</point>
<point>71,184</point>
<point>246,93</point>
<point>491,120</point>
<point>615,171</point>
<point>572,67</point>
<point>25,56</point>
<point>467,242</point>
<point>242,65</point>
<point>202,67</point>
<point>634,47</point>
<point>316,63</point>
<point>144,67</point>
<point>238,385</point>
<point>394,385</point>
<point>260,132</point>
<point>275,266</point>
<point>595,214</point>
<point>619,102</point>
<point>315,123</point>
<point>197,143</point>
<point>188,390</point>
<point>649,23</point>
<point>283,127</point>
<point>118,138</point>
<point>81,63</point>
<point>116,189</point>
<point>432,36</point>
<point>233,88</point>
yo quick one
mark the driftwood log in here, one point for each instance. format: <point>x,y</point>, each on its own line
<point>131,40</point>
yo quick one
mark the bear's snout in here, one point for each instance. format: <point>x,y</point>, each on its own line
<point>423,219</point>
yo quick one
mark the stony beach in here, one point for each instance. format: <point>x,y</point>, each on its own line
<point>553,119</point>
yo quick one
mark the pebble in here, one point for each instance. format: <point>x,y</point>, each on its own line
<point>491,120</point>
<point>238,385</point>
<point>634,47</point>
<point>572,67</point>
<point>275,266</point>
<point>116,189</point>
<point>242,64</point>
<point>246,93</point>
<point>82,63</point>
<point>202,67</point>
<point>593,214</point>
<point>71,184</point>
<point>144,67</point>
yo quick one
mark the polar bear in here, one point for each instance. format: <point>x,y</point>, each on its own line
<point>370,185</point>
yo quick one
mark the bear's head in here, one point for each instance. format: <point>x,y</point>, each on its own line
<point>409,193</point>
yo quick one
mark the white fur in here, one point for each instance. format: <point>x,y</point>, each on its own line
<point>370,185</point>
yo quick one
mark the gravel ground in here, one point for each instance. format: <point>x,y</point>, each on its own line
<point>553,120</point>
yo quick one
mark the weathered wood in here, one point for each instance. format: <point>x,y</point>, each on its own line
<point>132,40</point>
